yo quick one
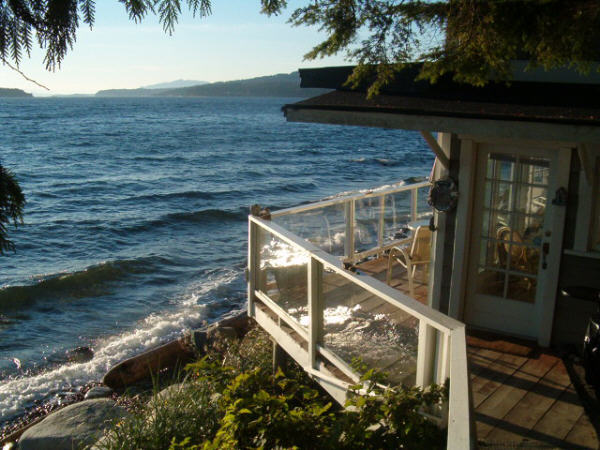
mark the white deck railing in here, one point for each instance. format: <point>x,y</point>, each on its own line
<point>358,225</point>
<point>295,291</point>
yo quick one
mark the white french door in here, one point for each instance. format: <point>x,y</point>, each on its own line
<point>516,239</point>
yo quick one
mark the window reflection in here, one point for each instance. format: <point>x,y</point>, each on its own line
<point>515,198</point>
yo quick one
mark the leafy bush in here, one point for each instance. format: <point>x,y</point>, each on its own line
<point>235,401</point>
<point>190,410</point>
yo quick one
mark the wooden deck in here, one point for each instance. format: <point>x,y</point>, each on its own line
<point>522,395</point>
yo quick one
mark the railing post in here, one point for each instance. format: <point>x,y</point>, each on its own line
<point>315,309</point>
<point>381,229</point>
<point>349,241</point>
<point>253,264</point>
<point>425,354</point>
<point>442,370</point>
<point>414,196</point>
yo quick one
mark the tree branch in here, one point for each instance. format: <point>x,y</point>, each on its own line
<point>16,69</point>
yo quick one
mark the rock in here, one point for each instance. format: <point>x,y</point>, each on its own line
<point>221,333</point>
<point>167,392</point>
<point>98,392</point>
<point>100,444</point>
<point>199,340</point>
<point>238,320</point>
<point>149,363</point>
<point>73,426</point>
<point>80,354</point>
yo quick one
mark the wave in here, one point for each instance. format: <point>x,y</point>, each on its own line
<point>298,187</point>
<point>19,393</point>
<point>366,191</point>
<point>187,195</point>
<point>91,281</point>
<point>209,215</point>
<point>202,216</point>
<point>379,161</point>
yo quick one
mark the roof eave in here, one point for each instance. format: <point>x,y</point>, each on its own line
<point>526,128</point>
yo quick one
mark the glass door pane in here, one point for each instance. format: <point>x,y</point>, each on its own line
<point>515,195</point>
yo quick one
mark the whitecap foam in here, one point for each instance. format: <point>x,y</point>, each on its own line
<point>18,393</point>
<point>366,191</point>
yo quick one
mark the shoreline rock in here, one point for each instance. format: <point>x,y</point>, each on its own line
<point>74,426</point>
<point>193,344</point>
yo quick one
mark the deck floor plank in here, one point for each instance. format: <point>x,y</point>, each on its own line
<point>496,406</point>
<point>480,359</point>
<point>560,419</point>
<point>532,407</point>
<point>492,377</point>
<point>582,434</point>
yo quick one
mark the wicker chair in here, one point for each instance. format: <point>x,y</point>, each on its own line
<point>419,254</point>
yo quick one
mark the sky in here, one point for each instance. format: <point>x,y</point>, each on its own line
<point>235,42</point>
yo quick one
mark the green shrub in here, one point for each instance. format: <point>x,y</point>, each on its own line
<point>380,417</point>
<point>233,401</point>
<point>189,411</point>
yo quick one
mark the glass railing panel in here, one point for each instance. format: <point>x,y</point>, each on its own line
<point>397,216</point>
<point>367,212</point>
<point>283,275</point>
<point>424,211</point>
<point>359,324</point>
<point>324,227</point>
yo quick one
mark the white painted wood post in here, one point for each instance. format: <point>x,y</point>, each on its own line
<point>349,241</point>
<point>442,371</point>
<point>315,309</point>
<point>425,354</point>
<point>253,265</point>
<point>462,233</point>
<point>461,428</point>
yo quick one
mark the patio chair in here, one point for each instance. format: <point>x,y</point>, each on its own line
<point>516,252</point>
<point>419,254</point>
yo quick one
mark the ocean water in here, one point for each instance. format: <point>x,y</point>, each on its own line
<point>135,224</point>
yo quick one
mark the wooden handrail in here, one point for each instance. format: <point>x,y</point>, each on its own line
<point>347,198</point>
<point>450,358</point>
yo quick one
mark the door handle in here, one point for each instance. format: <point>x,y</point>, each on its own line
<point>545,250</point>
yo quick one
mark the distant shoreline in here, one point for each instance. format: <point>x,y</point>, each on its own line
<point>13,93</point>
<point>280,85</point>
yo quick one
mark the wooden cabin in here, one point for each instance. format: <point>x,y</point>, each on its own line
<point>513,241</point>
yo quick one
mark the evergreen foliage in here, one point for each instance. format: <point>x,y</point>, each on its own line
<point>471,39</point>
<point>12,202</point>
<point>55,23</point>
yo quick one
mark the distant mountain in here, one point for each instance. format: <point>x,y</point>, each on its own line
<point>140,92</point>
<point>281,85</point>
<point>6,92</point>
<point>175,84</point>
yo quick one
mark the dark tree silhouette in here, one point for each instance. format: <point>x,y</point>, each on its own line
<point>12,202</point>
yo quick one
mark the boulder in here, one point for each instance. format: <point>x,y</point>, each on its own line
<point>166,393</point>
<point>71,427</point>
<point>221,333</point>
<point>238,320</point>
<point>98,392</point>
<point>80,354</point>
<point>149,363</point>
